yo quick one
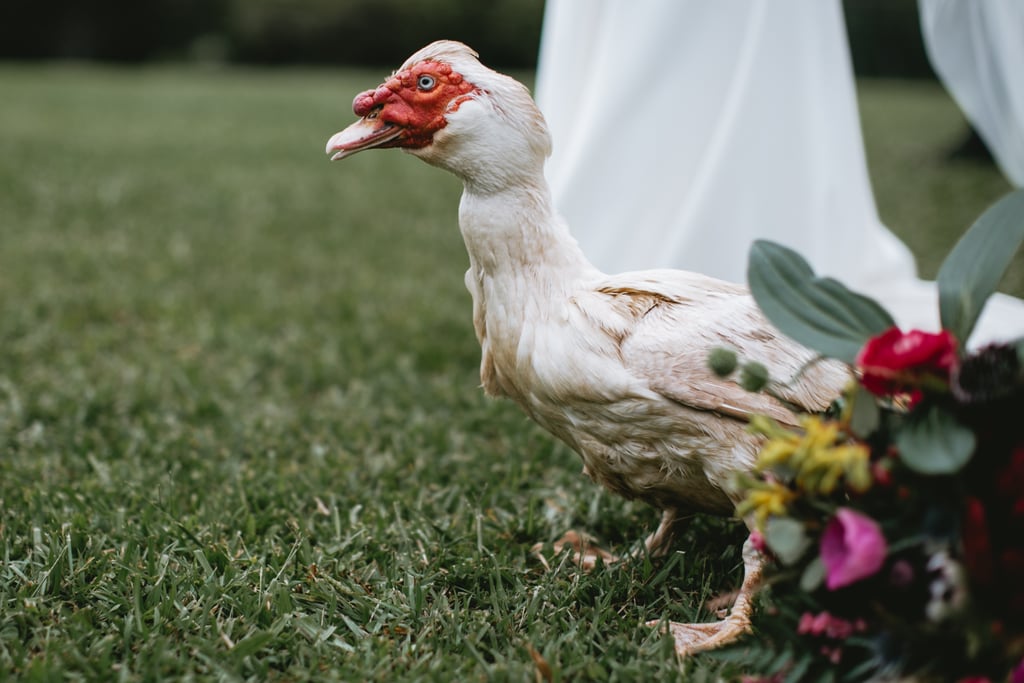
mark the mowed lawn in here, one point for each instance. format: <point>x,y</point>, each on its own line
<point>241,434</point>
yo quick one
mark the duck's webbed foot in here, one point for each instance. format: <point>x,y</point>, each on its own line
<point>692,638</point>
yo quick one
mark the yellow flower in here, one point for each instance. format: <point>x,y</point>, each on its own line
<point>823,470</point>
<point>778,452</point>
<point>816,458</point>
<point>765,499</point>
<point>820,434</point>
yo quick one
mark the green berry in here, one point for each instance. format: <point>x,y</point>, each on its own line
<point>753,376</point>
<point>722,361</point>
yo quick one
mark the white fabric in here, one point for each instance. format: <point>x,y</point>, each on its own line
<point>977,49</point>
<point>685,129</point>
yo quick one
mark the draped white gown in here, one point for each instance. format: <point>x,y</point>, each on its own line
<point>685,129</point>
<point>977,49</point>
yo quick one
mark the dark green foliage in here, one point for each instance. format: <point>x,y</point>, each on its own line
<point>934,443</point>
<point>381,33</point>
<point>975,267</point>
<point>885,39</point>
<point>818,312</point>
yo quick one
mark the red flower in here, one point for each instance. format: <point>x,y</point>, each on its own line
<point>825,625</point>
<point>977,545</point>
<point>897,361</point>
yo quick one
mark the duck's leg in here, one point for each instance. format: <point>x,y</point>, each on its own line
<point>659,542</point>
<point>586,554</point>
<point>691,638</point>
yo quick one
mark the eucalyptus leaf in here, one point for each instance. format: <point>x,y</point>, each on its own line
<point>820,313</point>
<point>796,674</point>
<point>934,443</point>
<point>865,414</point>
<point>786,538</point>
<point>813,576</point>
<point>977,263</point>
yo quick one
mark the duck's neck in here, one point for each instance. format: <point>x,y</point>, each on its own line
<point>514,235</point>
<point>524,266</point>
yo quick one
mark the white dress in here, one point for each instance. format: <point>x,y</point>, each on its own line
<point>685,129</point>
<point>977,49</point>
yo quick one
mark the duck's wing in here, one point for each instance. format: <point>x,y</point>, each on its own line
<point>666,323</point>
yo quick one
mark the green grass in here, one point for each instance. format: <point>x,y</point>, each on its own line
<point>241,435</point>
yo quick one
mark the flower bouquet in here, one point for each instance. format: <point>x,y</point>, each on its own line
<point>894,523</point>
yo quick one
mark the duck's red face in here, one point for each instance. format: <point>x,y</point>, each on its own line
<point>405,111</point>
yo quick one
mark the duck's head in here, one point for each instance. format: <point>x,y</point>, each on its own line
<point>450,110</point>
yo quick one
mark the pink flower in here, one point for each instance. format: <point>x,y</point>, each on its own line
<point>852,548</point>
<point>896,361</point>
<point>1017,676</point>
<point>825,625</point>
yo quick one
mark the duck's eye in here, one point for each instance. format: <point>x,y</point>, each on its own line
<point>426,82</point>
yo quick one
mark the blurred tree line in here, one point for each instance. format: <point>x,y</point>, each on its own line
<point>885,37</point>
<point>376,32</point>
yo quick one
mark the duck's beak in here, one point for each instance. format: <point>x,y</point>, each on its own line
<point>366,133</point>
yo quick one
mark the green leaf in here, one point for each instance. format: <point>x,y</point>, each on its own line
<point>786,538</point>
<point>796,674</point>
<point>813,576</point>
<point>974,268</point>
<point>934,443</point>
<point>820,313</point>
<point>865,414</point>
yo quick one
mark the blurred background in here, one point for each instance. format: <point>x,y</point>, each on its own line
<point>885,36</point>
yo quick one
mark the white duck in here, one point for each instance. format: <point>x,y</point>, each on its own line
<point>614,366</point>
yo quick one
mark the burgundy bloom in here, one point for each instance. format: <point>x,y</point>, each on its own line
<point>977,545</point>
<point>896,361</point>
<point>991,373</point>
<point>901,574</point>
<point>852,548</point>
